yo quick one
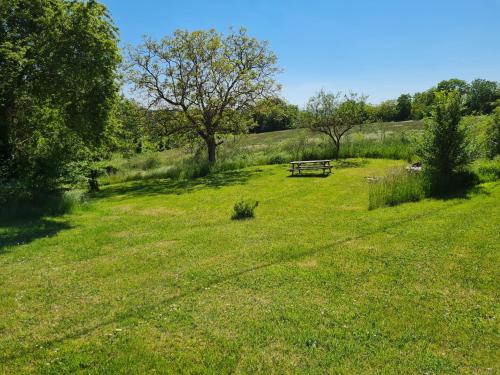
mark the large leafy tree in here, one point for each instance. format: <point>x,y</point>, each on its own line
<point>209,78</point>
<point>334,115</point>
<point>58,63</point>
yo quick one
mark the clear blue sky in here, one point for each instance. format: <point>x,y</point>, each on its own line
<point>379,48</point>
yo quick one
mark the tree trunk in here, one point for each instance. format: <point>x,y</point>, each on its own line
<point>93,181</point>
<point>211,148</point>
<point>337,150</point>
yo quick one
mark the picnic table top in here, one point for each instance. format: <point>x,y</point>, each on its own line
<point>310,161</point>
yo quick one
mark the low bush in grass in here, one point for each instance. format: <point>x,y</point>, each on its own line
<point>244,209</point>
<point>398,186</point>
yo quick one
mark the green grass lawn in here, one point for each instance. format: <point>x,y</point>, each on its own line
<point>154,275</point>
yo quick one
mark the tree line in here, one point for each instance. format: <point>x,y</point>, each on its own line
<point>477,98</point>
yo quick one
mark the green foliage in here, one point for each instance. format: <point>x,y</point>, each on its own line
<point>481,96</point>
<point>398,186</point>
<point>334,115</point>
<point>59,62</point>
<point>493,132</point>
<point>443,150</point>
<point>453,84</point>
<point>132,129</point>
<point>244,209</point>
<point>422,104</point>
<point>274,114</point>
<point>388,111</point>
<point>211,80</point>
<point>371,113</point>
<point>487,170</point>
<point>483,134</point>
<point>403,107</point>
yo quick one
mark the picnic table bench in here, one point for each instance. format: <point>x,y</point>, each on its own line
<point>304,165</point>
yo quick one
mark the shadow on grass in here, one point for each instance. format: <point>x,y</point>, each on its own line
<point>350,163</point>
<point>464,193</point>
<point>310,174</point>
<point>25,218</point>
<point>177,187</point>
<point>20,232</point>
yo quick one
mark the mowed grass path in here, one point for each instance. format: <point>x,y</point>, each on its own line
<point>155,276</point>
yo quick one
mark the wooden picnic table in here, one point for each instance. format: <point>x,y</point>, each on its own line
<point>303,165</point>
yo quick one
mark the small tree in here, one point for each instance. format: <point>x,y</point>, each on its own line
<point>334,115</point>
<point>211,79</point>
<point>443,149</point>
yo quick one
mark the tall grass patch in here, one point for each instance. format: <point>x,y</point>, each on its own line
<point>16,202</point>
<point>487,170</point>
<point>398,186</point>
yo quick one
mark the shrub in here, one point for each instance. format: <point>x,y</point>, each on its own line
<point>244,209</point>
<point>399,186</point>
<point>444,150</point>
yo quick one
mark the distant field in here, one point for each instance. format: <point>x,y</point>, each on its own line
<point>369,130</point>
<point>153,276</point>
<point>380,140</point>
